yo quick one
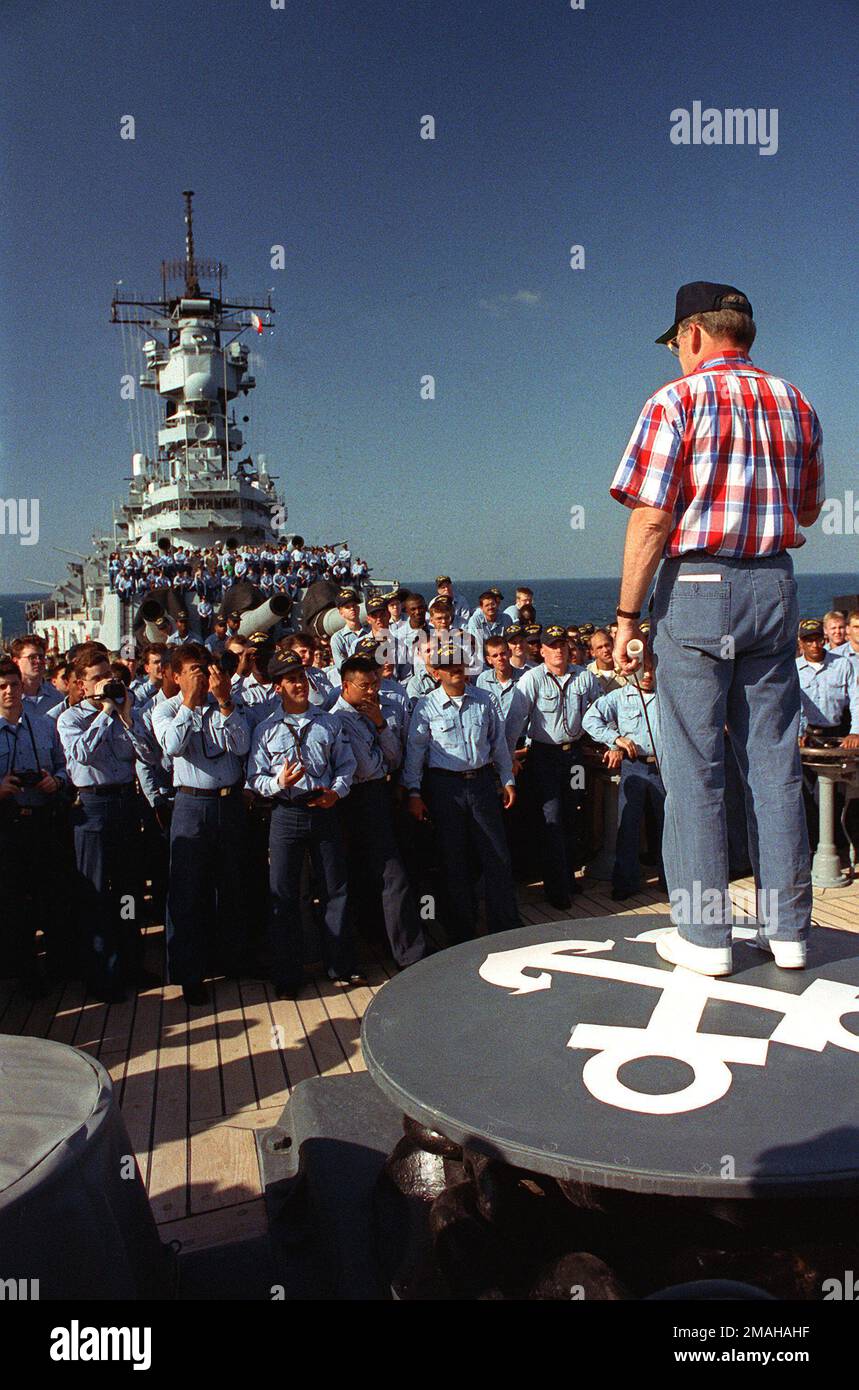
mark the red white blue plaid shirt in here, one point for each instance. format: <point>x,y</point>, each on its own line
<point>734,453</point>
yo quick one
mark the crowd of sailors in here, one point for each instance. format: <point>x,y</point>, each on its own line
<point>206,575</point>
<point>386,777</point>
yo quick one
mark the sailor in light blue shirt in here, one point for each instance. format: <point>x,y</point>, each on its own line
<point>313,738</point>
<point>456,737</point>
<point>620,714</point>
<point>377,751</point>
<point>549,706</point>
<point>393,697</point>
<point>626,721</point>
<point>207,739</point>
<point>343,642</point>
<point>512,613</point>
<point>456,734</point>
<point>828,685</point>
<point>44,700</point>
<point>101,742</point>
<point>500,678</point>
<point>850,648</point>
<point>30,743</point>
<point>460,611</point>
<point>155,775</point>
<point>486,621</point>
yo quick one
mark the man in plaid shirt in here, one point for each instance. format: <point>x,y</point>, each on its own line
<point>723,468</point>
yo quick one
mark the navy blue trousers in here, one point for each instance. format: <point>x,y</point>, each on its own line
<point>550,770</point>
<point>467,815</point>
<point>369,823</point>
<point>205,909</point>
<point>107,844</point>
<point>640,786</point>
<point>294,831</point>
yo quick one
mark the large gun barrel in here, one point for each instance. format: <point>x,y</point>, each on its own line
<point>266,615</point>
<point>156,624</point>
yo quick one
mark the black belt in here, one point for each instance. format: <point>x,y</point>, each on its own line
<point>110,789</point>
<point>556,747</point>
<point>448,772</point>
<point>210,792</point>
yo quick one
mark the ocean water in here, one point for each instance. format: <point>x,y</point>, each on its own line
<point>594,600</point>
<point>556,600</point>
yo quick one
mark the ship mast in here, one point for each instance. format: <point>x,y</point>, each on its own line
<point>192,284</point>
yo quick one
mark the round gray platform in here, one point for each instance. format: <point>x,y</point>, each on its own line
<point>74,1218</point>
<point>571,1050</point>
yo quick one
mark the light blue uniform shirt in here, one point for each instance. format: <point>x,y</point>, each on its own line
<point>143,690</point>
<point>501,694</point>
<point>155,777</point>
<point>851,654</point>
<point>420,684</point>
<point>100,751</point>
<point>46,697</point>
<point>456,738</point>
<point>825,694</point>
<point>317,738</point>
<point>344,642</point>
<point>377,751</point>
<point>481,628</point>
<point>31,745</point>
<point>619,714</point>
<point>540,709</point>
<point>206,746</point>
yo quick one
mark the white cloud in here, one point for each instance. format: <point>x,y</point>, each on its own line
<point>499,304</point>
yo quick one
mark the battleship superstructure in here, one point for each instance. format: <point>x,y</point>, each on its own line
<point>198,490</point>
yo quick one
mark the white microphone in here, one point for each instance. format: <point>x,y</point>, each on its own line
<point>635,652</point>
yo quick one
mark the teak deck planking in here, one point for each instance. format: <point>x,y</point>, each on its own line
<point>195,1084</point>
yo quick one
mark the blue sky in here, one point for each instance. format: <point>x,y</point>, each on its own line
<point>406,257</point>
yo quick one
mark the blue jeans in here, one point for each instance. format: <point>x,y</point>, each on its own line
<point>725,655</point>
<point>640,783</point>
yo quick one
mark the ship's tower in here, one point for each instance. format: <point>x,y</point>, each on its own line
<point>198,488</point>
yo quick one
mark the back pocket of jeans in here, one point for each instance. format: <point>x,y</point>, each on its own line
<point>699,615</point>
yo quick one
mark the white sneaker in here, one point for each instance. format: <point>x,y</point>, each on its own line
<point>706,960</point>
<point>789,955</point>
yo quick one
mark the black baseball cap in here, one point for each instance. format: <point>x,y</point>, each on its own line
<point>533,631</point>
<point>513,631</point>
<point>377,604</point>
<point>810,628</point>
<point>284,664</point>
<point>704,297</point>
<point>347,596</point>
<point>553,634</point>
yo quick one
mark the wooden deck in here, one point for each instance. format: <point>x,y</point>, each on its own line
<point>195,1084</point>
